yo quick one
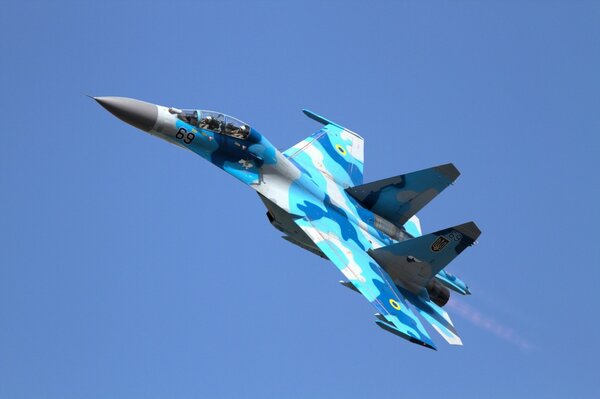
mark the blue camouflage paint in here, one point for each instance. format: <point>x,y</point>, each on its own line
<point>318,184</point>
<point>347,229</point>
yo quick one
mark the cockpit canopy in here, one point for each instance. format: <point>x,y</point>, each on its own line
<point>215,122</point>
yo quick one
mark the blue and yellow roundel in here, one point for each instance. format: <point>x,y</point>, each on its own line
<point>340,149</point>
<point>395,304</point>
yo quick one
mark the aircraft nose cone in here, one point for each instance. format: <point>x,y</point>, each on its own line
<point>135,112</point>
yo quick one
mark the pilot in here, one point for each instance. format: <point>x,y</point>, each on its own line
<point>210,123</point>
<point>243,131</point>
<point>215,124</point>
<point>237,132</point>
<point>230,128</point>
<point>206,122</point>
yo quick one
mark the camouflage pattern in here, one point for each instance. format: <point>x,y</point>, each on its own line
<point>453,282</point>
<point>399,198</point>
<point>314,194</point>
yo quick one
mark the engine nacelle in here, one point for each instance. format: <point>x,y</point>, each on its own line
<point>438,293</point>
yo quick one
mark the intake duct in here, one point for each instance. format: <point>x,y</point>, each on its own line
<point>438,293</point>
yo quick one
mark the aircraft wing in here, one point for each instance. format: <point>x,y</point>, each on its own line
<point>369,279</point>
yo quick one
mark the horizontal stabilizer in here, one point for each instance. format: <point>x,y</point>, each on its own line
<point>413,263</point>
<point>435,315</point>
<point>367,277</point>
<point>398,198</point>
<point>453,282</point>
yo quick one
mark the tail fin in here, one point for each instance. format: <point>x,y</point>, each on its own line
<point>334,152</point>
<point>416,261</point>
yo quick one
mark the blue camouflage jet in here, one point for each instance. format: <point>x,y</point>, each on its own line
<point>315,195</point>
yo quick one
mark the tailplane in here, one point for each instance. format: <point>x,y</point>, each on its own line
<point>434,315</point>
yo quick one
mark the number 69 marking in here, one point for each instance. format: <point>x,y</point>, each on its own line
<point>183,134</point>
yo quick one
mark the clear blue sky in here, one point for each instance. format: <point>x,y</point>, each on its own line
<point>132,269</point>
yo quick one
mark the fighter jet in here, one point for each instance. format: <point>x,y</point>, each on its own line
<point>315,195</point>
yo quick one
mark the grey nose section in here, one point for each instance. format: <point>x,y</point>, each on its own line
<point>135,112</point>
